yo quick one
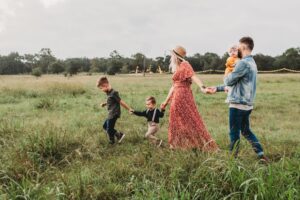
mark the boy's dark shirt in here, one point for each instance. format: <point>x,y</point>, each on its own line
<point>113,104</point>
<point>149,114</point>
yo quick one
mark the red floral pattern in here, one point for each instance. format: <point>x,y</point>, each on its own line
<point>186,127</point>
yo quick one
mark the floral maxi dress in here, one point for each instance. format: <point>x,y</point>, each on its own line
<point>186,127</point>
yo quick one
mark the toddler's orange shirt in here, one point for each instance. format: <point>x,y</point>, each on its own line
<point>230,63</point>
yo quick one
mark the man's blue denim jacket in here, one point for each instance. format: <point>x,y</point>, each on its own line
<point>242,82</point>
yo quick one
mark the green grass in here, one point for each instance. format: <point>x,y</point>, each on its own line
<point>53,147</point>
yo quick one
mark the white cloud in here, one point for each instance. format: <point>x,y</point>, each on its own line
<point>6,11</point>
<point>96,27</point>
<point>49,3</point>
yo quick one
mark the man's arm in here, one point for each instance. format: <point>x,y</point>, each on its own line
<point>239,71</point>
<point>220,88</point>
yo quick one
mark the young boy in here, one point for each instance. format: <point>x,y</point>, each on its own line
<point>152,114</point>
<point>114,111</point>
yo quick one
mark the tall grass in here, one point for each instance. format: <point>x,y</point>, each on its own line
<point>53,147</point>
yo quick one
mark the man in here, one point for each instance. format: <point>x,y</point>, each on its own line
<point>241,98</point>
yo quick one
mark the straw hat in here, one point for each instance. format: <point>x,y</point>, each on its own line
<point>180,52</point>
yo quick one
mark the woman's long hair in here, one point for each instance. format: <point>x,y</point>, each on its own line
<point>174,62</point>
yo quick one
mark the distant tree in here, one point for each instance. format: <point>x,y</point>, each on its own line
<point>85,64</point>
<point>223,61</point>
<point>211,61</point>
<point>114,63</point>
<point>197,62</point>
<point>264,62</point>
<point>98,65</point>
<point>45,58</point>
<point>138,60</point>
<point>46,62</point>
<point>30,61</point>
<point>57,67</point>
<point>289,59</point>
<point>73,65</point>
<point>12,64</point>
<point>167,63</point>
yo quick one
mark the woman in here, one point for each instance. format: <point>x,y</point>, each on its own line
<point>186,127</point>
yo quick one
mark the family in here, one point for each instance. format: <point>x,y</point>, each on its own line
<point>186,127</point>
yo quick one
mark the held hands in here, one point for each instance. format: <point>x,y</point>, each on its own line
<point>203,89</point>
<point>131,111</point>
<point>211,90</point>
<point>163,105</point>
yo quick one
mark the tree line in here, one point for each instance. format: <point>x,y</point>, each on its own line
<point>44,62</point>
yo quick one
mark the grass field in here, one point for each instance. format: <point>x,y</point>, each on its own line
<point>53,147</point>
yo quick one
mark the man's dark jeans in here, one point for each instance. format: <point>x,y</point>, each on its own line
<point>239,123</point>
<point>109,127</point>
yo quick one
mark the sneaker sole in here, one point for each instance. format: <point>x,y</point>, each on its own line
<point>120,140</point>
<point>160,143</point>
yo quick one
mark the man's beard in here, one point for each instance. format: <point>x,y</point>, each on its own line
<point>240,55</point>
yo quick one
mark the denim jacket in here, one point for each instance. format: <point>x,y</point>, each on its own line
<point>242,82</point>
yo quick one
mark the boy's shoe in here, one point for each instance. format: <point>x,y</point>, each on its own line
<point>160,143</point>
<point>264,159</point>
<point>111,142</point>
<point>120,137</point>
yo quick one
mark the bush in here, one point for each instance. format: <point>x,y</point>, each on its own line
<point>37,72</point>
<point>45,103</point>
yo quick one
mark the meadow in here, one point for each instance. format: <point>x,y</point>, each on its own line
<point>53,147</point>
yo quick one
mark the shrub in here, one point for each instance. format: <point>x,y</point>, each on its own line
<point>45,103</point>
<point>37,72</point>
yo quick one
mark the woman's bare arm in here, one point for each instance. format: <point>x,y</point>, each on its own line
<point>165,103</point>
<point>199,83</point>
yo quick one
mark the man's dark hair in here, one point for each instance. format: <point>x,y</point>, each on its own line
<point>248,41</point>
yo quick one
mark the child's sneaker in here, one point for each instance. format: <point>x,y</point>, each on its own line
<point>264,159</point>
<point>160,143</point>
<point>120,137</point>
<point>111,142</point>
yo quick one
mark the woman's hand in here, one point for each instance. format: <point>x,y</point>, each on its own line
<point>203,90</point>
<point>163,105</point>
<point>211,90</point>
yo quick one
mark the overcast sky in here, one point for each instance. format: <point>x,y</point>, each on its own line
<point>93,28</point>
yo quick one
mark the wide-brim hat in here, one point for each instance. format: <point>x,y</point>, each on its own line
<point>180,52</point>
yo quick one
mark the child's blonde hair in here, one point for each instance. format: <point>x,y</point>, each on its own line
<point>233,47</point>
